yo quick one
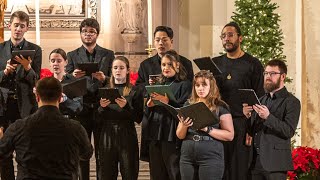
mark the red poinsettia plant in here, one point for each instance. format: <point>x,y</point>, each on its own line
<point>45,73</point>
<point>133,77</point>
<point>306,163</point>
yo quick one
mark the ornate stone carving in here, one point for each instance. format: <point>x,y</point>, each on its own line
<point>64,23</point>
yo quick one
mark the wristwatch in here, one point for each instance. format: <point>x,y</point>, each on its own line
<point>209,128</point>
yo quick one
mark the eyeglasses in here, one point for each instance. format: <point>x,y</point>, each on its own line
<point>271,73</point>
<point>229,35</point>
<point>90,33</point>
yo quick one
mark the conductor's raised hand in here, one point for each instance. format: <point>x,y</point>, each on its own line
<point>104,102</point>
<point>77,73</point>
<point>26,63</point>
<point>159,97</point>
<point>121,101</point>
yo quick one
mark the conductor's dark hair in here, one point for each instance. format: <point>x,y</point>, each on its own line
<point>235,25</point>
<point>91,23</point>
<point>165,29</point>
<point>279,63</point>
<point>49,89</point>
<point>21,15</point>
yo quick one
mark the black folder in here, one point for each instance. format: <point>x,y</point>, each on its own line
<point>89,67</point>
<point>249,97</point>
<point>206,63</point>
<point>75,88</point>
<point>161,89</point>
<point>24,53</point>
<point>199,113</point>
<point>109,93</point>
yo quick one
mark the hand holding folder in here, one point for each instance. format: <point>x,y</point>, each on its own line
<point>199,113</point>
<point>162,90</point>
<point>206,63</point>
<point>89,67</point>
<point>249,97</point>
<point>109,93</point>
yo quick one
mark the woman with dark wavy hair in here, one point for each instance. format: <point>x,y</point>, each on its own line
<point>202,152</point>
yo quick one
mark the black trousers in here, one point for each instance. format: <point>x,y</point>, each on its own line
<point>164,160</point>
<point>118,147</point>
<point>257,172</point>
<point>10,116</point>
<point>89,121</point>
<point>236,153</point>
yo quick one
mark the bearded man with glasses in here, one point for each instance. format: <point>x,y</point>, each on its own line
<point>240,70</point>
<point>272,125</point>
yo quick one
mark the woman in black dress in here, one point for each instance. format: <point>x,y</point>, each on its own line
<point>160,128</point>
<point>70,107</point>
<point>202,150</point>
<point>118,143</point>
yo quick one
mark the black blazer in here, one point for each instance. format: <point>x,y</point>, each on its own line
<point>277,131</point>
<point>25,81</point>
<point>103,57</point>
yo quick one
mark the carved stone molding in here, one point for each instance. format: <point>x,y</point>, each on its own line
<point>63,23</point>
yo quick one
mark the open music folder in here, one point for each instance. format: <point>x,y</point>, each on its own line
<point>75,88</point>
<point>249,97</point>
<point>161,89</point>
<point>109,93</point>
<point>199,113</point>
<point>206,63</point>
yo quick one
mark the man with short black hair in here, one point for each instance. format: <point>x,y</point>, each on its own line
<point>47,145</point>
<point>90,51</point>
<point>272,125</point>
<point>240,70</point>
<point>18,76</point>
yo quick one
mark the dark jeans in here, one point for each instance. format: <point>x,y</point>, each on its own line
<point>10,116</point>
<point>164,160</point>
<point>236,153</point>
<point>88,120</point>
<point>204,158</point>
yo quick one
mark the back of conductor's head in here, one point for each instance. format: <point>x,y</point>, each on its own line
<point>48,91</point>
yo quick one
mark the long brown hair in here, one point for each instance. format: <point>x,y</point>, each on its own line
<point>173,56</point>
<point>213,99</point>
<point>128,87</point>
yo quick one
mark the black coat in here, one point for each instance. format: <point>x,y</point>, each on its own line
<point>25,81</point>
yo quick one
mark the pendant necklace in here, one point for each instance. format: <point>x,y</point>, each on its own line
<point>229,75</point>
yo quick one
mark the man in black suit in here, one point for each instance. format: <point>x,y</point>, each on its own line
<point>17,80</point>
<point>163,41</point>
<point>90,51</point>
<point>47,145</point>
<point>272,126</point>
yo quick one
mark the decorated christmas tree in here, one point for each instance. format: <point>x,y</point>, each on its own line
<point>260,28</point>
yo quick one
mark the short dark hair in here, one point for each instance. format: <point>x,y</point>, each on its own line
<point>173,56</point>
<point>235,25</point>
<point>49,89</point>
<point>91,23</point>
<point>165,29</point>
<point>279,63</point>
<point>59,51</point>
<point>20,15</point>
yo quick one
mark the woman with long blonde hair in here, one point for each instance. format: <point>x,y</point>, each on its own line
<point>202,151</point>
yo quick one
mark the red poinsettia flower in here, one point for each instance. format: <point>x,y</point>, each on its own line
<point>45,73</point>
<point>133,77</point>
<point>306,162</point>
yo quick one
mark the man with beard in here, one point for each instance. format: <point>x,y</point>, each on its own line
<point>90,51</point>
<point>272,126</point>
<point>18,76</point>
<point>240,70</point>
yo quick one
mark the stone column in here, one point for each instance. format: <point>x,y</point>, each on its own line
<point>3,6</point>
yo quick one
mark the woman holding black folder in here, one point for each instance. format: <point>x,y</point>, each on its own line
<point>118,144</point>
<point>202,154</point>
<point>164,146</point>
<point>70,107</point>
